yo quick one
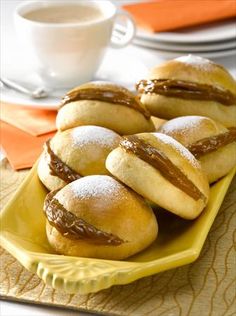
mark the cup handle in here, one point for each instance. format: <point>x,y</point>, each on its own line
<point>123,34</point>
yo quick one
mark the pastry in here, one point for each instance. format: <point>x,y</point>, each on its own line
<point>209,141</point>
<point>190,85</point>
<point>104,104</point>
<point>96,216</point>
<point>75,153</point>
<point>157,122</point>
<point>161,170</point>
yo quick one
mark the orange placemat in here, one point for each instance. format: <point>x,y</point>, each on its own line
<point>205,287</point>
<point>21,149</point>
<point>166,15</point>
<point>32,121</point>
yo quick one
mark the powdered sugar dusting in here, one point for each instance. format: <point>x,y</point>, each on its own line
<point>96,135</point>
<point>96,186</point>
<point>102,83</point>
<point>181,124</point>
<point>180,148</point>
<point>195,61</point>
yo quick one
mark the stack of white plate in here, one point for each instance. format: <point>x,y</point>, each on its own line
<point>210,41</point>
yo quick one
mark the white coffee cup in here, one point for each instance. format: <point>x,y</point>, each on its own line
<point>68,54</point>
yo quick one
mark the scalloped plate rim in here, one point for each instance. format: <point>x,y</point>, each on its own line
<point>131,271</point>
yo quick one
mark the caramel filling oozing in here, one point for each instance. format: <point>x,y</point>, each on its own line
<point>186,90</point>
<point>59,168</point>
<point>210,144</point>
<point>162,163</point>
<point>73,227</point>
<point>108,95</point>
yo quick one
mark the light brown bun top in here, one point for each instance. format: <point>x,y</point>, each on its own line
<point>111,208</point>
<point>102,85</point>
<point>163,171</point>
<point>104,104</point>
<point>180,157</point>
<point>109,90</point>
<point>195,69</point>
<point>209,141</point>
<point>85,148</point>
<point>190,129</point>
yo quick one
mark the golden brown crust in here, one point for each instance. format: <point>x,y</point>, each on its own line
<point>192,129</point>
<point>189,129</point>
<point>73,227</point>
<point>58,167</point>
<point>107,92</point>
<point>124,119</point>
<point>110,207</point>
<point>149,182</point>
<point>195,69</point>
<point>121,119</point>
<point>157,159</point>
<point>83,149</point>
<point>103,85</point>
<point>186,90</point>
<point>168,108</point>
<point>210,144</point>
<point>44,173</point>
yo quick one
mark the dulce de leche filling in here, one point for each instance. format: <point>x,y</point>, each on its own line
<point>106,95</point>
<point>73,227</point>
<point>59,168</point>
<point>186,90</point>
<point>157,159</point>
<point>210,144</point>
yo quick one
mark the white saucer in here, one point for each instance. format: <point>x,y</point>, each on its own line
<point>214,32</point>
<point>17,98</point>
<point>31,81</point>
<point>210,55</point>
<point>189,48</point>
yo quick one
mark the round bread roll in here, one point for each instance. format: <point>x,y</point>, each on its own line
<point>74,153</point>
<point>104,104</point>
<point>190,85</point>
<point>98,217</point>
<point>209,141</point>
<point>163,171</point>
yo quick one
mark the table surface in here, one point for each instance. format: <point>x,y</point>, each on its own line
<point>148,58</point>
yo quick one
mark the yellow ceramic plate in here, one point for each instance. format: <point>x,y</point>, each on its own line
<point>23,235</point>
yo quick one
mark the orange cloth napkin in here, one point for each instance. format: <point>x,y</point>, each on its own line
<point>33,121</point>
<point>166,15</point>
<point>22,149</point>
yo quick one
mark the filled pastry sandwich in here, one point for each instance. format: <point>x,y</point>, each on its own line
<point>190,85</point>
<point>75,153</point>
<point>98,217</point>
<point>209,141</point>
<point>101,183</point>
<point>104,104</point>
<point>163,171</point>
